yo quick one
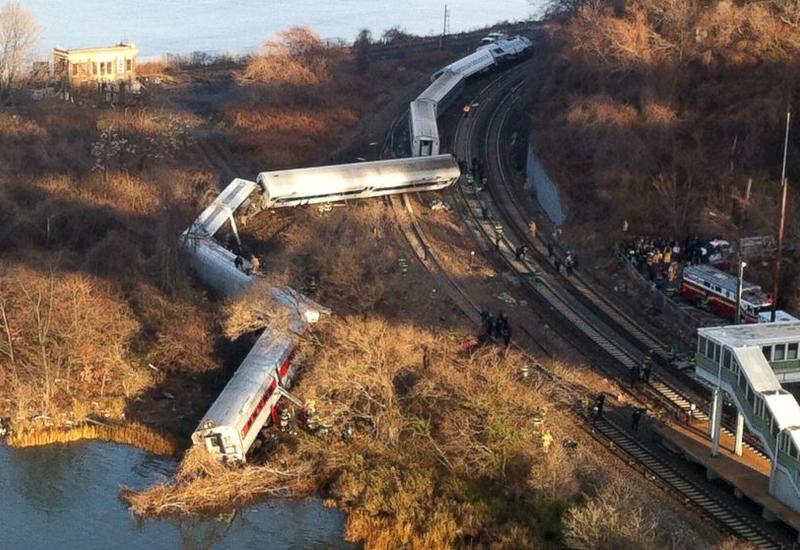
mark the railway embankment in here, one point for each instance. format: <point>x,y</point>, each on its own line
<point>678,137</point>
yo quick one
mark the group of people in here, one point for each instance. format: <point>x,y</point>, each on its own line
<point>641,372</point>
<point>570,262</point>
<point>253,268</point>
<point>596,412</point>
<point>497,328</point>
<point>657,259</point>
<point>254,264</point>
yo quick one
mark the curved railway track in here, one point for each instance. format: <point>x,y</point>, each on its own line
<point>597,319</point>
<point>481,208</point>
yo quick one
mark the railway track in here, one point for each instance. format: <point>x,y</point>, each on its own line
<point>481,212</point>
<point>596,318</point>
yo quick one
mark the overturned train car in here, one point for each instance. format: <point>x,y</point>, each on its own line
<point>355,181</point>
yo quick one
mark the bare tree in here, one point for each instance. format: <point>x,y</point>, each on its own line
<point>19,33</point>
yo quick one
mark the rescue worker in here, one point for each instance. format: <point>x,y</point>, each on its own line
<point>690,413</point>
<point>625,226</point>
<point>254,261</point>
<point>646,370</point>
<point>532,229</point>
<point>467,109</point>
<point>569,263</point>
<point>506,334</point>
<point>547,440</point>
<point>520,252</point>
<point>238,261</point>
<point>488,322</point>
<point>501,325</point>
<point>636,417</point>
<point>284,419</point>
<point>636,374</point>
<point>598,405</point>
<point>549,250</point>
<point>557,264</point>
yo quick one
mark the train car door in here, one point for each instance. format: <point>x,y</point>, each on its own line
<point>214,444</point>
<point>425,148</point>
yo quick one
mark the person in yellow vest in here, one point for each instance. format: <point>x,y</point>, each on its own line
<point>547,440</point>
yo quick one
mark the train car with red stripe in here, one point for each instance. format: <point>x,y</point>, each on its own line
<point>249,400</point>
<point>706,283</point>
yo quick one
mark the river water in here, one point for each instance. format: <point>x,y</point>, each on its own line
<point>237,26</point>
<point>67,496</point>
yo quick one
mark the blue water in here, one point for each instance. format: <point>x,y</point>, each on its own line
<point>181,26</point>
<point>67,496</point>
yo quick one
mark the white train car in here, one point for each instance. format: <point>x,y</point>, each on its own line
<point>215,267</point>
<point>472,64</point>
<point>423,129</point>
<point>443,91</point>
<point>248,401</point>
<point>509,49</point>
<point>222,208</point>
<point>356,181</point>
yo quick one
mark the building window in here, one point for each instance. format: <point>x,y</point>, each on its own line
<point>701,345</point>
<point>102,69</point>
<point>780,352</point>
<point>129,64</point>
<point>75,70</point>
<point>791,352</point>
<point>108,67</point>
<point>716,353</point>
<point>726,358</point>
<point>767,351</point>
<point>94,68</point>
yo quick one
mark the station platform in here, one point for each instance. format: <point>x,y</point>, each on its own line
<point>749,474</point>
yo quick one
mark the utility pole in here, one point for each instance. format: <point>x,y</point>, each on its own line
<point>742,265</point>
<point>445,26</point>
<point>776,283</point>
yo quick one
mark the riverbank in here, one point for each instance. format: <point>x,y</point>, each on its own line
<point>134,434</point>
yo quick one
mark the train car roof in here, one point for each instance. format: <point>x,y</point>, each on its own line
<point>251,379</point>
<point>755,334</point>
<point>328,180</point>
<point>423,118</point>
<point>440,87</point>
<point>472,63</point>
<point>220,210</point>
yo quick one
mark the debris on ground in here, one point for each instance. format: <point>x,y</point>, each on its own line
<point>507,298</point>
<point>438,204</point>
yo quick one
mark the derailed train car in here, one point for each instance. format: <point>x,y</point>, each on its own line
<point>448,83</point>
<point>356,181</point>
<point>249,399</point>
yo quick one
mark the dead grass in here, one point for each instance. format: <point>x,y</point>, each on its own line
<point>133,434</point>
<point>446,450</point>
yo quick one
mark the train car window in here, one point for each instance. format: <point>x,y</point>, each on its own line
<point>791,352</point>
<point>780,352</point>
<point>767,351</point>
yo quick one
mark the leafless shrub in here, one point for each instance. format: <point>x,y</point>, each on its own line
<point>296,57</point>
<point>254,309</point>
